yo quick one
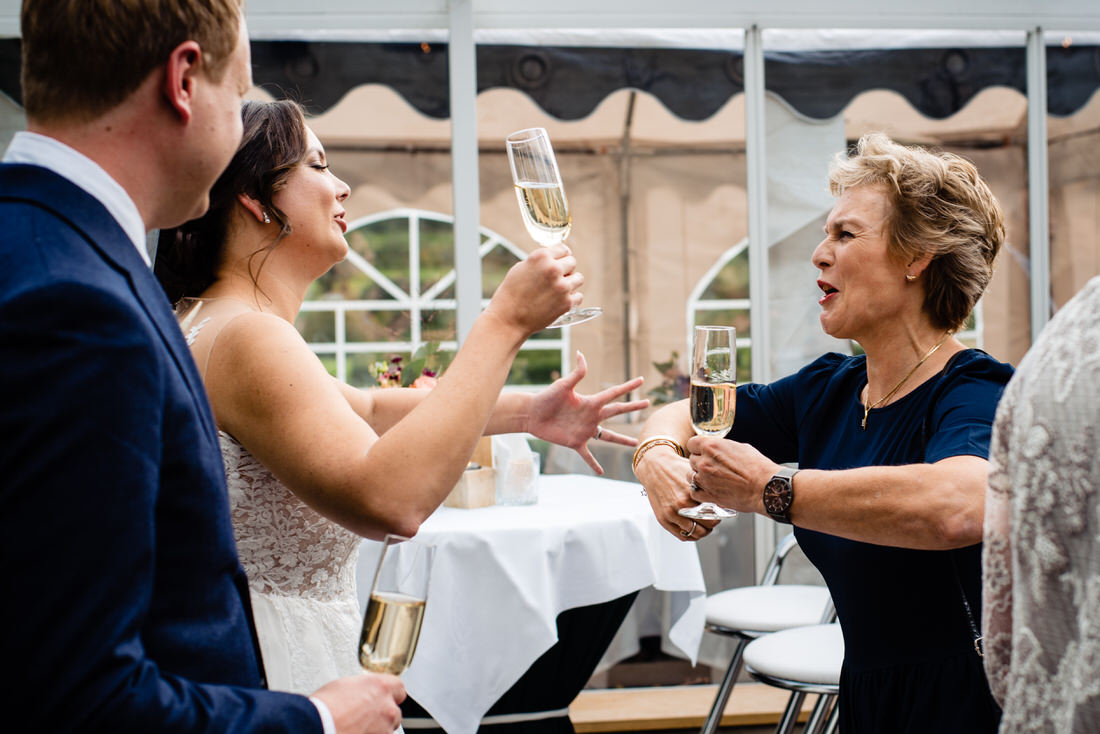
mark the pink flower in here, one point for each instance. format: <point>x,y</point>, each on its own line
<point>425,381</point>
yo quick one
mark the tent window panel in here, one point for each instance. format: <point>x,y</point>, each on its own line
<point>738,318</point>
<point>367,300</point>
<point>385,245</point>
<point>346,282</point>
<point>535,367</point>
<point>378,326</point>
<point>494,266</point>
<point>437,325</point>
<point>731,281</point>
<point>436,251</point>
<point>317,326</point>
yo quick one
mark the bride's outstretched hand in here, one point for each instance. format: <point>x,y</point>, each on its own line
<point>561,415</point>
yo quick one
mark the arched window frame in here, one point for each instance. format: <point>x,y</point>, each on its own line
<point>697,304</point>
<point>414,301</point>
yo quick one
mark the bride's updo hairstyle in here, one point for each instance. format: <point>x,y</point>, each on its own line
<point>273,143</point>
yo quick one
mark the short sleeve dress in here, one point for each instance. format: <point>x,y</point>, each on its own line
<point>910,665</point>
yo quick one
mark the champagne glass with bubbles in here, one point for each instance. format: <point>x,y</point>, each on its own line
<point>541,198</point>
<point>395,611</point>
<point>713,397</point>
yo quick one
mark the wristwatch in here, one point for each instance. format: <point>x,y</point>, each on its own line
<point>779,495</point>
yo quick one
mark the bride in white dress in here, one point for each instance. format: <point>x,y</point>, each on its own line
<point>312,463</point>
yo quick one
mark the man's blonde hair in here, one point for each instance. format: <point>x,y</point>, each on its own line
<point>82,58</point>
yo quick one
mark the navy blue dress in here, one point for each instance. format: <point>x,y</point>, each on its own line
<point>910,663</point>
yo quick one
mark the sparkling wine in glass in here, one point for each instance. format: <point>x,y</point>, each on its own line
<point>541,198</point>
<point>395,611</point>
<point>712,399</point>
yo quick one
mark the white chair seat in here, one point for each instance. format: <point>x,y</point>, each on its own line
<point>767,608</point>
<point>810,655</point>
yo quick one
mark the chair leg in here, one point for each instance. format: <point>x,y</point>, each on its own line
<point>834,719</point>
<point>790,714</point>
<point>819,715</point>
<point>714,718</point>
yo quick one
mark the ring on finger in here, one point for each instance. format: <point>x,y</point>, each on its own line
<point>687,533</point>
<point>694,487</point>
<point>599,432</point>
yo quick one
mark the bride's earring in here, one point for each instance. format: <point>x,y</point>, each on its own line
<point>267,220</point>
<point>908,276</point>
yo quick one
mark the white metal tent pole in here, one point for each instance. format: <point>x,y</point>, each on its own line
<point>462,70</point>
<point>757,188</point>
<point>1037,181</point>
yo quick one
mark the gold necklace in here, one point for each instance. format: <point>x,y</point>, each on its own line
<point>869,406</point>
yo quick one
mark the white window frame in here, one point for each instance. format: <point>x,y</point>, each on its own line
<point>413,301</point>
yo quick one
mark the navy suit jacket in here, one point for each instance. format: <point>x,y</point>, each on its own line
<point>126,606</point>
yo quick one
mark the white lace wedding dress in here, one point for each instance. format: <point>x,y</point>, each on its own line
<point>1042,531</point>
<point>301,573</point>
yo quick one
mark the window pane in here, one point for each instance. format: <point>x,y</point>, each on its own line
<point>732,281</point>
<point>436,251</point>
<point>737,318</point>
<point>494,266</point>
<point>329,361</point>
<point>437,326</point>
<point>348,283</point>
<point>378,326</point>
<point>385,245</point>
<point>535,367</point>
<point>317,326</point>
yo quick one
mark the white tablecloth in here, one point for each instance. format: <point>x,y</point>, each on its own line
<point>503,574</point>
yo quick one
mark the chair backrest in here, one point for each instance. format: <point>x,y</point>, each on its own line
<point>771,574</point>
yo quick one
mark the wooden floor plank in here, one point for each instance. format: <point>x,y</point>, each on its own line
<point>676,707</point>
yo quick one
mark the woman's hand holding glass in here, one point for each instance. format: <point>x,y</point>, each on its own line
<point>712,401</point>
<point>537,290</point>
<point>541,198</point>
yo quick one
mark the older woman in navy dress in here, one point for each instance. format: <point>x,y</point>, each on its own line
<point>891,445</point>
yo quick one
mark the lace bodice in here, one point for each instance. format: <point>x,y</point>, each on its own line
<point>1042,553</point>
<point>301,570</point>
<point>285,546</point>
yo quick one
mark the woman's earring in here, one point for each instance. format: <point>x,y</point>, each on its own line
<point>267,220</point>
<point>910,277</point>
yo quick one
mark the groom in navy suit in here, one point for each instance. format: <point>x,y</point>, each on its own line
<point>127,609</point>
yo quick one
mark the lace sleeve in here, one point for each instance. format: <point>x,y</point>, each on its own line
<point>997,556</point>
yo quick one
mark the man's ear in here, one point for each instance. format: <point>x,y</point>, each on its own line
<point>253,206</point>
<point>180,75</point>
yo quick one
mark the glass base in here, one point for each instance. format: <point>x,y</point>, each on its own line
<point>576,316</point>
<point>706,511</point>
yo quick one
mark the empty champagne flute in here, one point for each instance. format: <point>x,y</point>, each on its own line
<point>395,611</point>
<point>713,397</point>
<point>541,198</point>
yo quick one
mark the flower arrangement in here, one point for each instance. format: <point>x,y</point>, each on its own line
<point>422,370</point>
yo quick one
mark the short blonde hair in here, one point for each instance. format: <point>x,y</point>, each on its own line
<point>941,207</point>
<point>82,58</point>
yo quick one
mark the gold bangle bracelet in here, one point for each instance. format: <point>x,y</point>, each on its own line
<point>652,441</point>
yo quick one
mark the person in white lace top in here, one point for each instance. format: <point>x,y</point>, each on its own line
<point>312,463</point>
<point>1041,560</point>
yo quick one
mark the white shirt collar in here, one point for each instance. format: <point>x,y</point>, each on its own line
<point>40,150</point>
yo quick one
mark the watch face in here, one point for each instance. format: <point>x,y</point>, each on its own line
<point>777,496</point>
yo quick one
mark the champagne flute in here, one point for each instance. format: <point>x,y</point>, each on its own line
<point>541,198</point>
<point>713,397</point>
<point>395,611</point>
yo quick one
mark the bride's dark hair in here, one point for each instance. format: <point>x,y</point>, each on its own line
<point>273,143</point>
